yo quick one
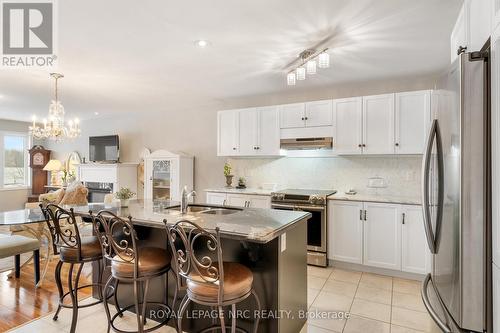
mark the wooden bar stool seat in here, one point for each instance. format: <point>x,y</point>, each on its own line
<point>152,261</point>
<point>90,251</point>
<point>238,280</point>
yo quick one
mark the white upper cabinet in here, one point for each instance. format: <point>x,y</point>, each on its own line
<point>382,236</point>
<point>349,125</point>
<point>495,11</point>
<point>412,121</point>
<point>268,126</point>
<point>479,16</point>
<point>378,124</point>
<point>345,231</point>
<point>460,34</point>
<point>415,253</point>
<point>292,115</point>
<point>319,113</point>
<point>227,133</point>
<point>248,131</point>
<point>474,25</point>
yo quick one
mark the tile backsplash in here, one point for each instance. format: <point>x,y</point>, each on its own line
<point>402,173</point>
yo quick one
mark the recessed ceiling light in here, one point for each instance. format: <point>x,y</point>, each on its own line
<point>96,113</point>
<point>202,43</point>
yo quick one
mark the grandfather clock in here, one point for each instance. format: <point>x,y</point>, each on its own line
<point>39,157</point>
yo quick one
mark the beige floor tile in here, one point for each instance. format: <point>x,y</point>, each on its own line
<point>340,288</point>
<point>357,324</point>
<point>311,296</point>
<point>314,282</point>
<point>345,276</point>
<point>413,319</point>
<point>407,286</point>
<point>408,301</point>
<point>371,310</point>
<point>327,301</point>
<point>400,329</point>
<point>308,328</point>
<point>39,326</point>
<point>374,294</point>
<point>319,271</point>
<point>326,319</point>
<point>376,281</point>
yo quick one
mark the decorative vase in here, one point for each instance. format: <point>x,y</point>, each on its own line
<point>229,180</point>
<point>124,202</point>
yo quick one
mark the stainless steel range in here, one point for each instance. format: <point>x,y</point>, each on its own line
<point>314,202</point>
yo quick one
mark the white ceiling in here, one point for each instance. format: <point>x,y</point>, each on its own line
<point>137,56</point>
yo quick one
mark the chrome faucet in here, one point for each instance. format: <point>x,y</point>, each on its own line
<point>185,199</point>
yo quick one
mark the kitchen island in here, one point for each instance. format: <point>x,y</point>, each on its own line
<point>272,243</point>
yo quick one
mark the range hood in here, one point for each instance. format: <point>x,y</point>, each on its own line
<point>306,143</point>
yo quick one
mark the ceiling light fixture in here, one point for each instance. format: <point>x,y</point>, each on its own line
<point>310,60</point>
<point>54,127</point>
<point>201,43</point>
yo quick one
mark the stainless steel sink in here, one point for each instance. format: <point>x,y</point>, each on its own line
<point>220,211</point>
<point>214,210</point>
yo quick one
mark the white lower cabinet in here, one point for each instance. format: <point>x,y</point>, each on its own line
<point>345,234</point>
<point>239,200</point>
<point>382,236</point>
<point>389,236</point>
<point>416,257</point>
<point>215,198</point>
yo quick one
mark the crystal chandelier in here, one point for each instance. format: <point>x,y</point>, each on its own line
<point>310,60</point>
<point>54,127</point>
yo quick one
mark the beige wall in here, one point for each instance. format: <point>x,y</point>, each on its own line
<point>194,131</point>
<point>13,199</point>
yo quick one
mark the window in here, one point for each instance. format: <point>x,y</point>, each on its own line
<point>14,159</point>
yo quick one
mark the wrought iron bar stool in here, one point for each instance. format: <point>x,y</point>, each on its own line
<point>207,281</point>
<point>130,264</point>
<point>73,250</point>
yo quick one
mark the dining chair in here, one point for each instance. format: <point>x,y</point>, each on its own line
<point>210,281</point>
<point>130,263</point>
<point>73,250</point>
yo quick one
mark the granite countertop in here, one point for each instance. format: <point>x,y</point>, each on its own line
<point>383,198</point>
<point>251,224</point>
<point>250,191</point>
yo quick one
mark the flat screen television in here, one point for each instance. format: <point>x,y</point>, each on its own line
<point>104,149</point>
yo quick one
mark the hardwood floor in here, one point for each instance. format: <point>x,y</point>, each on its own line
<point>21,302</point>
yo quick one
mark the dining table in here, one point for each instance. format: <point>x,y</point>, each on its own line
<point>31,223</point>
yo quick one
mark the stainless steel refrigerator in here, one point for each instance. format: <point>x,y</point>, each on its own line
<point>456,198</point>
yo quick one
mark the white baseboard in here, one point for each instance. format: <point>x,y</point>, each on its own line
<point>375,270</point>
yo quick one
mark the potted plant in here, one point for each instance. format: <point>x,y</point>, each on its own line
<point>124,195</point>
<point>227,173</point>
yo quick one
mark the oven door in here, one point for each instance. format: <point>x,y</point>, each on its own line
<point>316,225</point>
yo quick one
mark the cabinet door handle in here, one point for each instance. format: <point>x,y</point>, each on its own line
<point>360,145</point>
<point>364,145</point>
<point>224,202</point>
<point>366,215</point>
<point>303,118</point>
<point>397,144</point>
<point>404,217</point>
<point>361,215</point>
<point>234,148</point>
<point>307,118</point>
